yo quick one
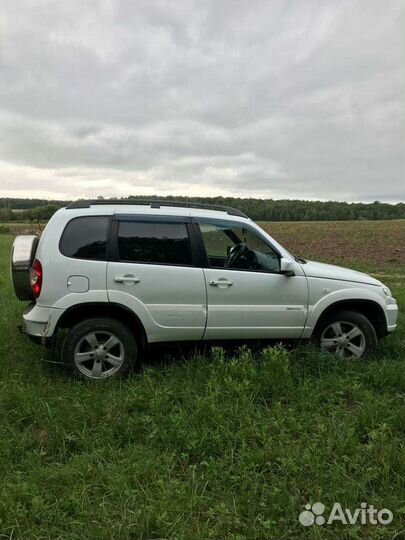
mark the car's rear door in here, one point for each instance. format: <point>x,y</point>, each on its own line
<point>152,270</point>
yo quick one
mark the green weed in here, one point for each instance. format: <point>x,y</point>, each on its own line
<point>222,445</point>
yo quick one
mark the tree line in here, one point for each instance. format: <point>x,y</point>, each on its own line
<point>257,209</point>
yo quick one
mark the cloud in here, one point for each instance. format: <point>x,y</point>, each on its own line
<point>269,99</point>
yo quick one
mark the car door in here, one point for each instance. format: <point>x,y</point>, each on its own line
<point>152,271</point>
<point>249,298</point>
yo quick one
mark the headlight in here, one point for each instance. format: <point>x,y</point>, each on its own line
<point>387,292</point>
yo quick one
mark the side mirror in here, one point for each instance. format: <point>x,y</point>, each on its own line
<point>286,267</point>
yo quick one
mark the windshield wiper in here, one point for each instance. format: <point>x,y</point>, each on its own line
<point>300,260</point>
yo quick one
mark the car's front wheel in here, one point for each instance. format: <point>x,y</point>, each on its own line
<point>348,334</point>
<point>99,348</point>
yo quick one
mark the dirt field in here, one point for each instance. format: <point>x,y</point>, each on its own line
<point>378,246</point>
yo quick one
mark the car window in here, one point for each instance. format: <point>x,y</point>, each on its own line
<point>238,248</point>
<point>85,238</point>
<point>154,242</point>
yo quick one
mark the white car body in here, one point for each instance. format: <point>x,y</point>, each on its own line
<point>175,303</point>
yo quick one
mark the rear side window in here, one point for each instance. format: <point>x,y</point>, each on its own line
<point>85,238</point>
<point>149,242</point>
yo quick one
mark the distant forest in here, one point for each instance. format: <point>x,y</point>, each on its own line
<point>257,209</point>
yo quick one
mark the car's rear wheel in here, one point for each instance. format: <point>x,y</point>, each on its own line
<point>348,334</point>
<point>100,348</point>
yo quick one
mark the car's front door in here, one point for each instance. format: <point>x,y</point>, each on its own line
<point>248,297</point>
<point>151,270</point>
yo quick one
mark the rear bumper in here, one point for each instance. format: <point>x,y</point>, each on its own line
<point>35,320</point>
<point>39,321</point>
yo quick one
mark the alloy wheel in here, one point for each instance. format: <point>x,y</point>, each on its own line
<point>99,354</point>
<point>343,338</point>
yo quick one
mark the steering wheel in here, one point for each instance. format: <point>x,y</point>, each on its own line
<point>235,253</point>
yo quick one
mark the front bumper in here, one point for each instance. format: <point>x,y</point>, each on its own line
<point>391,314</point>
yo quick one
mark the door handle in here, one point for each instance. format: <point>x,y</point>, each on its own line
<point>126,279</point>
<point>220,283</point>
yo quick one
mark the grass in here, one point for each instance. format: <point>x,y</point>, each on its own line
<point>222,445</point>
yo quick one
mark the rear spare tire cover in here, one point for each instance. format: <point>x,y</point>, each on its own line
<point>22,256</point>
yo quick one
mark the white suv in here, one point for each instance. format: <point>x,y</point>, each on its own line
<point>121,274</point>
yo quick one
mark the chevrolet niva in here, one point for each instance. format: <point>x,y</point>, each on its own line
<point>118,275</point>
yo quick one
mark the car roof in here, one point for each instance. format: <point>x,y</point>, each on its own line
<point>154,207</point>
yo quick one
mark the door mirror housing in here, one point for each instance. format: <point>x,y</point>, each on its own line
<point>286,267</point>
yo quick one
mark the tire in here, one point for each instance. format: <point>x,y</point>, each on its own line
<point>348,334</point>
<point>22,256</point>
<point>99,348</point>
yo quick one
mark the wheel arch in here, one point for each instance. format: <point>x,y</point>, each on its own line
<point>78,312</point>
<point>369,308</point>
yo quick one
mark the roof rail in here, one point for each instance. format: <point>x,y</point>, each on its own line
<point>155,203</point>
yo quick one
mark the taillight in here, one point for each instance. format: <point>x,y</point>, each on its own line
<point>36,277</point>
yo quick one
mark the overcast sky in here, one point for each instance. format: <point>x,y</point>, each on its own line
<point>284,99</point>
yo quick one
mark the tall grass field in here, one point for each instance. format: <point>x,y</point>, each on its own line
<point>216,443</point>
